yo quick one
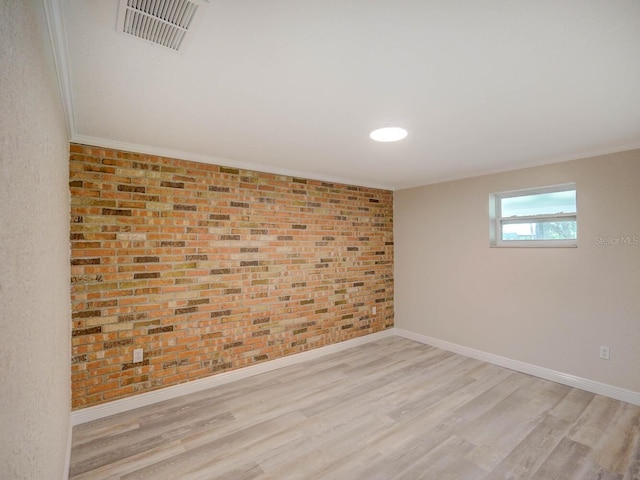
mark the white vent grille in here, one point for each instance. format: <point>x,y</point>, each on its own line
<point>165,22</point>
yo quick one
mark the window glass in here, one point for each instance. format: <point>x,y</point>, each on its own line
<point>540,230</point>
<point>543,203</point>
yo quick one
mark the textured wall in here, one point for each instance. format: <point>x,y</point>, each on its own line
<point>34,252</point>
<point>551,307</point>
<point>211,269</point>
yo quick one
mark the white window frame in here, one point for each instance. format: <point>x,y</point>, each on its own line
<point>496,219</point>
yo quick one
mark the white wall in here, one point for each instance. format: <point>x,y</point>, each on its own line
<point>550,307</point>
<point>34,252</point>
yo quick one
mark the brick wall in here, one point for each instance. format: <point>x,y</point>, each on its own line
<point>209,269</point>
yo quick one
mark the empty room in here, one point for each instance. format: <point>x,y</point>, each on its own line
<point>320,240</point>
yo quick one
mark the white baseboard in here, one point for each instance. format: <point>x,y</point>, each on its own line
<point>618,393</point>
<point>67,461</point>
<point>144,399</point>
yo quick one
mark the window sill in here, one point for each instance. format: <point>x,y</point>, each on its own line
<point>536,245</point>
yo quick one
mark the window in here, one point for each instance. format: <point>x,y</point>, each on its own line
<point>536,217</point>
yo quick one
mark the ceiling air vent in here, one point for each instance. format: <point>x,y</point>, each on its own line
<point>165,22</point>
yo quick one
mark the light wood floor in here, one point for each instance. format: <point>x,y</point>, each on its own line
<point>392,409</point>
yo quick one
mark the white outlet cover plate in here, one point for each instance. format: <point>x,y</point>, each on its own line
<point>138,355</point>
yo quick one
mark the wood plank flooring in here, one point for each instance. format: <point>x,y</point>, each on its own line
<point>391,409</point>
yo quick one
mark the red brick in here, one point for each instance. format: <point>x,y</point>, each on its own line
<point>188,263</point>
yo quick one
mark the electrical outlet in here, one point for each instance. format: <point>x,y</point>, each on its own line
<point>604,352</point>
<point>373,310</point>
<point>138,355</point>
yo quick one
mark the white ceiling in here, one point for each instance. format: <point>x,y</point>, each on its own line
<point>295,86</point>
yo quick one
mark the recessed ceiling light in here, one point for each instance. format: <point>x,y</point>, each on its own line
<point>388,134</point>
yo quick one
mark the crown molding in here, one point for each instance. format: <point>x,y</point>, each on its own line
<point>213,160</point>
<point>58,40</point>
<point>533,164</point>
<point>55,20</point>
